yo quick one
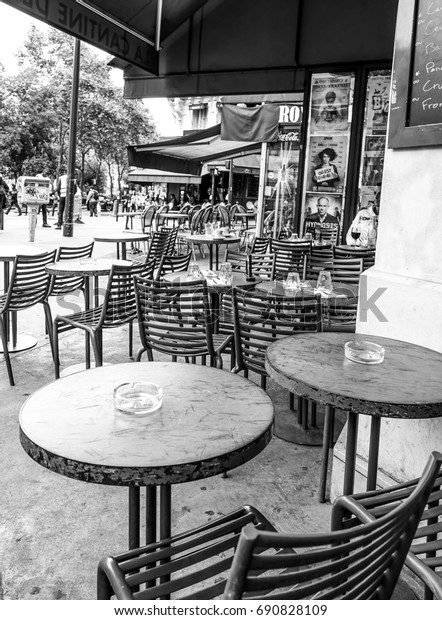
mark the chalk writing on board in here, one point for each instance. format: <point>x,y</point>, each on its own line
<point>425,105</point>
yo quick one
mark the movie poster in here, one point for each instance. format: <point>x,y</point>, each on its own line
<point>329,104</point>
<point>327,163</point>
<point>332,216</point>
<point>367,198</point>
<point>378,101</point>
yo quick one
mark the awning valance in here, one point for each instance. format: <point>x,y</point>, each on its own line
<point>186,155</point>
<point>148,175</point>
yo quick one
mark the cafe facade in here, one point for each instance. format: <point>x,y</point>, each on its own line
<point>382,124</point>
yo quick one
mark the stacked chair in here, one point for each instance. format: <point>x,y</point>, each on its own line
<point>242,556</point>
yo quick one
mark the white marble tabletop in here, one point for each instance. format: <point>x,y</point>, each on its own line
<point>405,385</point>
<point>85,266</point>
<point>9,251</point>
<point>210,421</point>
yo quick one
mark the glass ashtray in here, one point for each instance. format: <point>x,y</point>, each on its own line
<point>138,398</point>
<point>364,352</point>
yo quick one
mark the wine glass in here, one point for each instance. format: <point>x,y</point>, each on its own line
<point>225,273</point>
<point>324,283</point>
<point>194,272</point>
<point>355,233</point>
<point>293,282</point>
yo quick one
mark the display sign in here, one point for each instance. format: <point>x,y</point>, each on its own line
<point>416,98</point>
<point>33,190</point>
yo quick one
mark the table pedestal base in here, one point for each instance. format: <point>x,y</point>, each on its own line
<point>23,343</point>
<point>290,426</point>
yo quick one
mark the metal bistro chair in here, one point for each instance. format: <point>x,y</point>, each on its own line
<point>175,319</point>
<point>28,286</point>
<point>368,255</point>
<point>64,284</point>
<point>118,309</point>
<point>259,245</point>
<point>424,559</point>
<point>170,264</point>
<point>242,556</point>
<point>260,319</point>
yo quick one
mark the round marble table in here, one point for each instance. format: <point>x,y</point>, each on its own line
<point>405,385</point>
<point>203,428</point>
<point>88,268</point>
<point>211,242</point>
<point>8,252</point>
<point>121,239</point>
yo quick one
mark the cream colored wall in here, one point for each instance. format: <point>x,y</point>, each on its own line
<point>409,268</point>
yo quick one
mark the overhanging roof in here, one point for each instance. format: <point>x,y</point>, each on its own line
<point>171,48</point>
<point>148,175</point>
<point>187,154</point>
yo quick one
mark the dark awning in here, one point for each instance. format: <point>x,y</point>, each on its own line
<point>171,48</point>
<point>186,155</point>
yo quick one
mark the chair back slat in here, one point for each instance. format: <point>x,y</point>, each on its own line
<point>63,284</point>
<point>119,304</point>
<point>29,282</point>
<point>171,264</point>
<point>362,562</point>
<point>174,318</point>
<point>261,318</point>
<point>368,255</point>
<point>259,245</point>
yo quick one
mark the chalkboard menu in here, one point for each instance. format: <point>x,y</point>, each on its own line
<point>416,98</point>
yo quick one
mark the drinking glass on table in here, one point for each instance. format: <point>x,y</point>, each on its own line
<point>208,228</point>
<point>324,284</point>
<point>308,236</point>
<point>293,281</point>
<point>225,273</point>
<point>355,233</point>
<point>194,272</point>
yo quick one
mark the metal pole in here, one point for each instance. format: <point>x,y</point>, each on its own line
<point>262,181</point>
<point>68,223</point>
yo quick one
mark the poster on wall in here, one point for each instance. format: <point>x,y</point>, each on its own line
<point>378,101</point>
<point>329,104</point>
<point>327,163</point>
<point>368,198</point>
<point>326,209</point>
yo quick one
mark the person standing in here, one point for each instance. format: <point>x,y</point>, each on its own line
<point>61,192</point>
<point>92,201</point>
<point>13,200</point>
<point>4,189</point>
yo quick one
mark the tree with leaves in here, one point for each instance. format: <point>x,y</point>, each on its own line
<point>35,104</point>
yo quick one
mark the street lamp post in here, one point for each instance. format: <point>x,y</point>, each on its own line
<point>68,223</point>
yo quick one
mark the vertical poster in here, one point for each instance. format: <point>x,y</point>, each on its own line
<point>323,208</point>
<point>378,100</point>
<point>329,104</point>
<point>327,163</point>
<point>373,160</point>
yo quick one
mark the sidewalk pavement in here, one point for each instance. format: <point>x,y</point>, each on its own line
<point>54,530</point>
